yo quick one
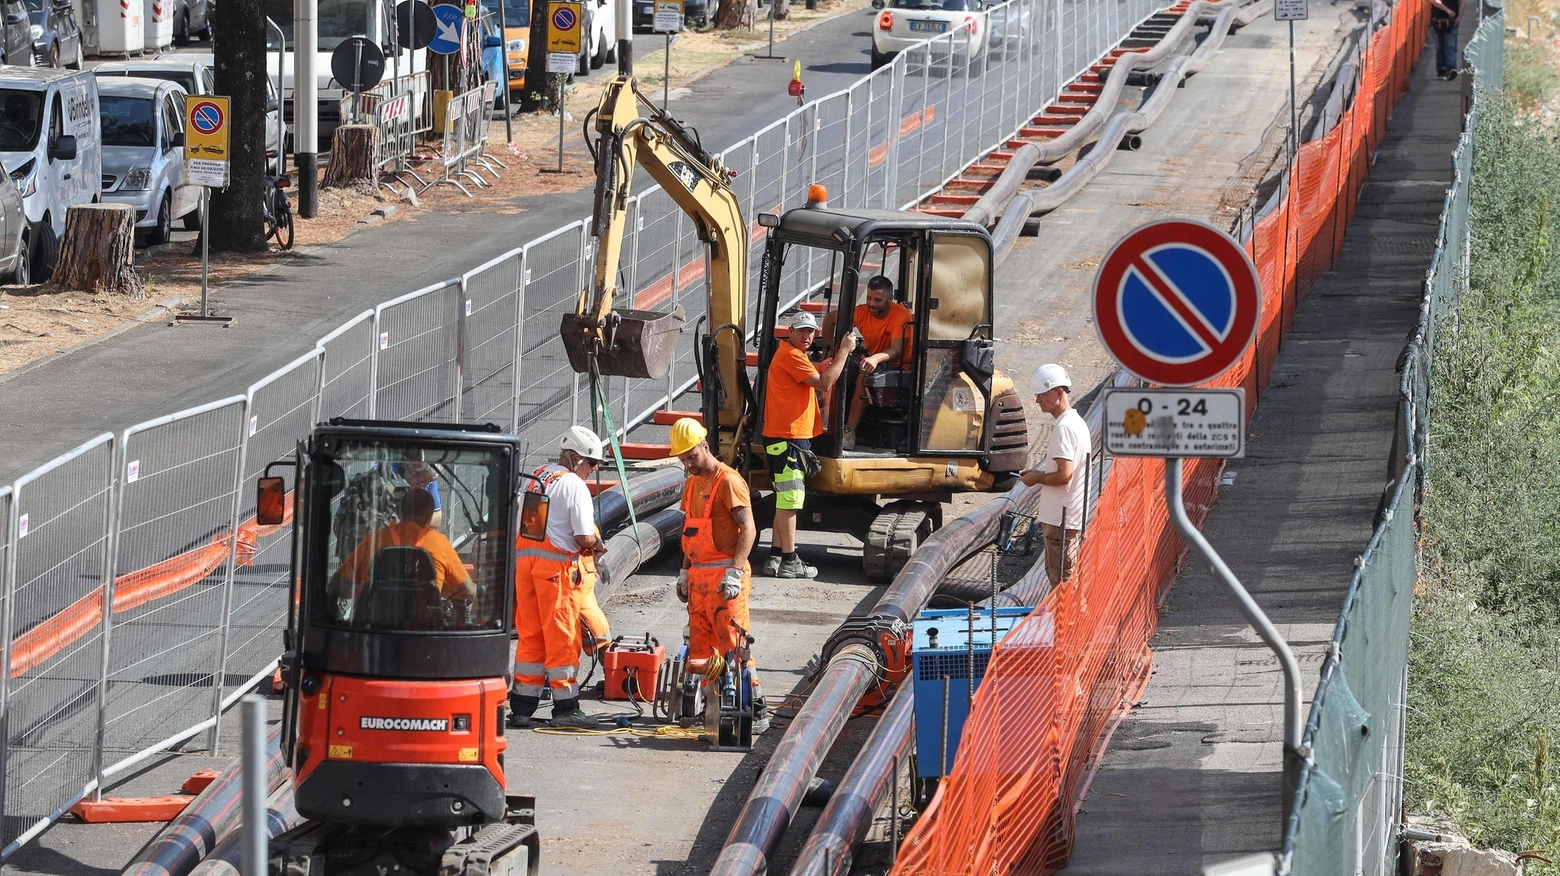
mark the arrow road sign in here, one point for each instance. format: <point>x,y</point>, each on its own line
<point>1176,302</point>
<point>447,40</point>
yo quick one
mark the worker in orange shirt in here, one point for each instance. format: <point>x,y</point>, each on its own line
<point>412,530</point>
<point>882,323</point>
<point>718,534</point>
<point>548,580</point>
<point>790,423</point>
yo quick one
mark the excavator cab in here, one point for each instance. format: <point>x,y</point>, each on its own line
<point>397,649</point>
<point>936,419</point>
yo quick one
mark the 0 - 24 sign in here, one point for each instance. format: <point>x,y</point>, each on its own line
<point>1176,422</point>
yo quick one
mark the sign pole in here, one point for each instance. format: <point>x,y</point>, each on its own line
<point>509,111</point>
<point>564,45</point>
<point>1254,615</point>
<point>205,248</point>
<point>1294,111</point>
<point>206,159</point>
<point>560,123</point>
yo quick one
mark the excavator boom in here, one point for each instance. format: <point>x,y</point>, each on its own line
<point>631,132</point>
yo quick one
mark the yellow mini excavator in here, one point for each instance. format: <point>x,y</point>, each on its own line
<point>944,422</point>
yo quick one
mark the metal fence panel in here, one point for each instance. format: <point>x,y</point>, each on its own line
<point>172,570</point>
<point>417,367</point>
<point>57,566</point>
<point>492,313</point>
<point>553,276</point>
<point>280,410</point>
<point>347,384</point>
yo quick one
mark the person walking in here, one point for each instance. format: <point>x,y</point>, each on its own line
<point>1061,476</point>
<point>791,421</point>
<point>1444,18</point>
<point>548,579</point>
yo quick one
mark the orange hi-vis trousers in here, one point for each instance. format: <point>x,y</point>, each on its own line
<point>710,614</point>
<point>547,618</point>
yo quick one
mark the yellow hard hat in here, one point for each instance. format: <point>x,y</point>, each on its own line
<point>686,435</point>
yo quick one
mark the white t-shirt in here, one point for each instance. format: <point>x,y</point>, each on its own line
<point>1069,440</point>
<point>569,509</point>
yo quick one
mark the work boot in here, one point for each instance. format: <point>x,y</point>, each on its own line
<point>848,439</point>
<point>760,717</point>
<point>795,568</point>
<point>521,708</point>
<point>771,567</point>
<point>566,713</point>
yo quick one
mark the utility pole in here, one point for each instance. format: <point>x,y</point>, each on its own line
<point>306,105</point>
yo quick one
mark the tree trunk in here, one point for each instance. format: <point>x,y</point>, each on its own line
<point>354,157</point>
<point>734,14</point>
<point>238,45</point>
<point>99,251</point>
<point>782,9</point>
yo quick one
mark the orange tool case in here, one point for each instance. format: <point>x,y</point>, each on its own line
<point>633,667</point>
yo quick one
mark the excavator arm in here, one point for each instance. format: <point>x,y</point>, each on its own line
<point>631,132</point>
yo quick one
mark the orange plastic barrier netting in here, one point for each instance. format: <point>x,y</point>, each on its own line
<point>1062,678</point>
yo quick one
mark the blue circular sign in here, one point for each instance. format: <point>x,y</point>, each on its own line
<point>449,20</point>
<point>206,117</point>
<point>1177,302</point>
<point>563,18</point>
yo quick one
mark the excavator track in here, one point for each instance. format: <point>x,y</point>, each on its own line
<point>894,535</point>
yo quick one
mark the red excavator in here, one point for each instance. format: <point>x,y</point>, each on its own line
<point>397,651</point>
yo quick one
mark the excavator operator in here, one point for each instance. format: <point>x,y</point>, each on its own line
<point>548,585</point>
<point>882,323</point>
<point>791,421</point>
<point>414,529</point>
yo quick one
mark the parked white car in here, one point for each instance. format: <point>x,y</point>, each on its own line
<point>143,153</point>
<point>602,48</point>
<point>193,72</point>
<point>901,24</point>
<point>50,146</point>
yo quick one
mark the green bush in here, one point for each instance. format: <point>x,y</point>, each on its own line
<point>1484,663</point>
<point>1530,73</point>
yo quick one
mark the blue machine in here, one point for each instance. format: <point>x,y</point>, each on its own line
<point>940,646</point>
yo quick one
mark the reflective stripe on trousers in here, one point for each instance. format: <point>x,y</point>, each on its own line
<point>547,618</point>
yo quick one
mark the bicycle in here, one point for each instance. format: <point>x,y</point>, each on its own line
<point>278,211</point>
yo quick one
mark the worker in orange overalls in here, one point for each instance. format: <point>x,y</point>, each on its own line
<point>718,534</point>
<point>548,583</point>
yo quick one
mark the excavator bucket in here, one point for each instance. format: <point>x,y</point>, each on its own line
<point>630,343</point>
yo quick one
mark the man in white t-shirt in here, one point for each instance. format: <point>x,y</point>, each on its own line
<point>549,585</point>
<point>1061,476</point>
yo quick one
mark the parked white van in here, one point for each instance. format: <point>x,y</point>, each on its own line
<point>51,145</point>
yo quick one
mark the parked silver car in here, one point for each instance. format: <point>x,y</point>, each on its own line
<point>15,238</point>
<point>193,71</point>
<point>143,153</point>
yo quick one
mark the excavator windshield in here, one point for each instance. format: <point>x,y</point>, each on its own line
<point>414,537</point>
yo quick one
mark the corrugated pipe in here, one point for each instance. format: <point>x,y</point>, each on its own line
<point>1123,128</point>
<point>1005,236</point>
<point>280,817</point>
<point>211,817</point>
<point>831,847</point>
<point>850,672</point>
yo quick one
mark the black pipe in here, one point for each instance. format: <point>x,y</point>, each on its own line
<point>635,546</point>
<point>213,815</point>
<point>651,492</point>
<point>852,670</point>
<point>226,859</point>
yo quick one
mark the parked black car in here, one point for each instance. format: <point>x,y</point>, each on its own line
<point>191,18</point>
<point>18,45</point>
<point>56,37</point>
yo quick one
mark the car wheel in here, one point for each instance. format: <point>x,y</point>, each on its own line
<point>181,30</point>
<point>163,230</point>
<point>47,252</point>
<point>600,56</point>
<point>22,274</point>
<point>191,220</point>
<point>55,60</point>
<point>612,53</point>
<point>80,52</point>
<point>880,59</point>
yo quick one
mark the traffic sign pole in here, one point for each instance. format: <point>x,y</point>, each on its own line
<point>306,106</point>
<point>1177,302</point>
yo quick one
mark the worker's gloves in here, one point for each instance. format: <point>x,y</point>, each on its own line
<point>731,584</point>
<point>682,586</point>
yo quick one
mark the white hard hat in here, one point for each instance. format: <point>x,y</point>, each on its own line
<point>582,441</point>
<point>1048,377</point>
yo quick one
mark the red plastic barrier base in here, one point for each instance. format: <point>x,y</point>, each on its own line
<point>117,810</point>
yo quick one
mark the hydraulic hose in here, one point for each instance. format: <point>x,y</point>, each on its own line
<point>210,818</point>
<point>849,674</point>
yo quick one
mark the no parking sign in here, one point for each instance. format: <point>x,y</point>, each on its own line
<point>206,141</point>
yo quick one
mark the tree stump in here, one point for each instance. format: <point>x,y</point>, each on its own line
<point>98,253</point>
<point>354,157</point>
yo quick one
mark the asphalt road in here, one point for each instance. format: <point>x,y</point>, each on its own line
<point>612,803</point>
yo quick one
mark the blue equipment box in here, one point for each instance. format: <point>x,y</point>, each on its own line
<point>940,646</point>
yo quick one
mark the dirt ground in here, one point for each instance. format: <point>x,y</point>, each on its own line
<point>39,321</point>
